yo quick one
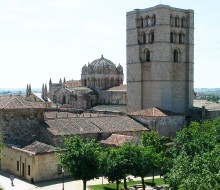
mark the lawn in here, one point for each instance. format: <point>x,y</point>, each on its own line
<point>112,186</point>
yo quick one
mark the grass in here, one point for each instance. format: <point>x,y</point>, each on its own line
<point>112,186</point>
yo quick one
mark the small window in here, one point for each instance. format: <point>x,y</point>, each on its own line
<point>177,21</point>
<point>29,170</point>
<point>151,37</point>
<point>141,22</point>
<point>147,56</point>
<point>144,38</point>
<point>17,166</point>
<point>183,22</point>
<point>171,20</point>
<point>148,22</point>
<point>175,56</point>
<point>181,38</point>
<point>153,20</point>
<point>172,37</point>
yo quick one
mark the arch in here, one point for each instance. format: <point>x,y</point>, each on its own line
<point>172,37</point>
<point>181,38</point>
<point>183,22</point>
<point>171,20</point>
<point>176,55</point>
<point>151,37</point>
<point>141,22</point>
<point>143,40</point>
<point>106,82</point>
<point>63,99</point>
<point>147,55</point>
<point>153,20</point>
<point>147,21</point>
<point>177,21</point>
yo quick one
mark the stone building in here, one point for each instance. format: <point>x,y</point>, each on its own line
<point>160,56</point>
<point>35,162</point>
<point>166,123</point>
<point>20,119</point>
<point>97,78</point>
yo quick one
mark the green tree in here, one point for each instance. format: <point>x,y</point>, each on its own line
<point>80,158</point>
<point>113,165</point>
<point>196,157</point>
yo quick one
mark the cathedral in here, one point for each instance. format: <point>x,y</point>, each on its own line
<point>98,79</point>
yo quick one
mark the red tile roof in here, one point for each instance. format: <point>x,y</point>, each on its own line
<point>116,140</point>
<point>118,88</point>
<point>17,102</point>
<point>153,112</point>
<point>73,83</point>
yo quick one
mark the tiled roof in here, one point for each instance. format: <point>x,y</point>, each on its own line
<point>153,112</point>
<point>83,125</point>
<point>17,102</point>
<point>211,106</point>
<point>116,139</point>
<point>73,83</point>
<point>62,115</point>
<point>118,88</point>
<point>39,147</point>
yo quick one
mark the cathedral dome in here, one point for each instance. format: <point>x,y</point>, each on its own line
<point>103,65</point>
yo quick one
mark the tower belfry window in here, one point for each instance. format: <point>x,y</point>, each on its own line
<point>175,56</point>
<point>151,37</point>
<point>147,56</point>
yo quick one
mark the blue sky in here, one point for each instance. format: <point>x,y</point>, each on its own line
<point>43,39</point>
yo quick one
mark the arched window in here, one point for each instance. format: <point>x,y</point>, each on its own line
<point>177,20</point>
<point>147,55</point>
<point>151,37</point>
<point>176,56</point>
<point>147,21</point>
<point>181,38</point>
<point>143,38</point>
<point>153,20</point>
<point>183,22</point>
<point>141,22</point>
<point>171,20</point>
<point>172,37</point>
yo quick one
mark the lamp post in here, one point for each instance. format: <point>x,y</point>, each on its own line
<point>63,178</point>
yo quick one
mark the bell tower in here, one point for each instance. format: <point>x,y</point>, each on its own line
<point>160,58</point>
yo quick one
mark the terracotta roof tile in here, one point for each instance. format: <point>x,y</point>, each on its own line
<point>83,125</point>
<point>73,83</point>
<point>118,88</point>
<point>17,102</point>
<point>39,147</point>
<point>153,112</point>
<point>116,140</point>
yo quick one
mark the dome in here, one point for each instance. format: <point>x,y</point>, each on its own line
<point>103,65</point>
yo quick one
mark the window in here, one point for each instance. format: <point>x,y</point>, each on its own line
<point>141,22</point>
<point>172,37</point>
<point>177,21</point>
<point>29,170</point>
<point>181,38</point>
<point>144,38</point>
<point>171,20</point>
<point>147,56</point>
<point>153,20</point>
<point>151,37</point>
<point>175,56</point>
<point>183,22</point>
<point>17,166</point>
<point>147,20</point>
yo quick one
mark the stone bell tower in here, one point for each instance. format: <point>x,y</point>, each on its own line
<point>160,58</point>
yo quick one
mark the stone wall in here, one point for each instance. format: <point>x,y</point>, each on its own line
<point>20,126</point>
<point>165,126</point>
<point>112,97</point>
<point>42,166</point>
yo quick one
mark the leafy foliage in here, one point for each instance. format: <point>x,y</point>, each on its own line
<point>81,158</point>
<point>196,157</point>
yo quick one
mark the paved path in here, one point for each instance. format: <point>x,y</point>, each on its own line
<point>47,185</point>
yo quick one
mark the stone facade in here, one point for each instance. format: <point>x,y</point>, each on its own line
<point>164,122</point>
<point>30,165</point>
<point>160,50</point>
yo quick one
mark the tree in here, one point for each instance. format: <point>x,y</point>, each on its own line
<point>196,157</point>
<point>80,158</point>
<point>143,161</point>
<point>113,165</point>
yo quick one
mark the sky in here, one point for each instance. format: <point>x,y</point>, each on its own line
<point>43,39</point>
